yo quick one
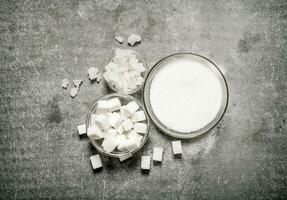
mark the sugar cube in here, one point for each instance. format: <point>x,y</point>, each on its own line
<point>99,77</point>
<point>176,147</point>
<point>138,116</point>
<point>78,82</point>
<point>132,107</point>
<point>82,129</point>
<point>121,139</point>
<point>94,132</point>
<point>111,66</point>
<point>115,119</point>
<point>93,119</point>
<point>93,73</point>
<point>120,39</point>
<point>96,161</point>
<point>134,62</point>
<point>114,104</point>
<point>133,135</point>
<point>140,127</point>
<point>139,80</point>
<point>140,67</point>
<point>131,145</point>
<point>74,92</point>
<point>145,163</point>
<point>124,111</point>
<point>157,154</point>
<point>65,83</point>
<point>133,39</point>
<point>120,129</point>
<point>127,125</point>
<point>109,145</point>
<point>124,157</point>
<point>102,107</point>
<point>110,134</point>
<point>102,121</point>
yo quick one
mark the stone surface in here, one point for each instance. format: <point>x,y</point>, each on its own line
<point>42,42</point>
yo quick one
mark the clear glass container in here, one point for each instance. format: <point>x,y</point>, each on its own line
<point>143,74</point>
<point>208,63</point>
<point>124,98</point>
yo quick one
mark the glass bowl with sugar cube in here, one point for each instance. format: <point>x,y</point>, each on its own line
<point>125,72</point>
<point>117,125</point>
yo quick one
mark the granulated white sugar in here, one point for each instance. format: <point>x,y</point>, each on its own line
<point>185,95</point>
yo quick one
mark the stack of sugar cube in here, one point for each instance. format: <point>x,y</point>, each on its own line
<point>122,127</point>
<point>125,70</point>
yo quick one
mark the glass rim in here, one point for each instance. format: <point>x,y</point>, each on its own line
<point>97,145</point>
<point>206,128</point>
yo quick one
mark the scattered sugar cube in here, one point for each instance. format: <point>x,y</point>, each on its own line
<point>120,39</point>
<point>115,119</point>
<point>93,73</point>
<point>157,154</point>
<point>140,127</point>
<point>114,104</point>
<point>94,132</point>
<point>102,121</point>
<point>124,157</point>
<point>82,129</point>
<point>176,147</point>
<point>78,82</point>
<point>138,116</point>
<point>132,107</point>
<point>109,145</point>
<point>96,161</point>
<point>145,163</point>
<point>127,125</point>
<point>110,134</point>
<point>74,92</point>
<point>133,39</point>
<point>99,77</point>
<point>65,83</point>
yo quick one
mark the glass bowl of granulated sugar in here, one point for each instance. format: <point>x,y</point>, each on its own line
<point>185,95</point>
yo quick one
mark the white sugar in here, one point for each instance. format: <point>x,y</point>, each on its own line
<point>185,95</point>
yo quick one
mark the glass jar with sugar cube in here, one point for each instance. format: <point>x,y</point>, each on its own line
<point>125,71</point>
<point>117,125</point>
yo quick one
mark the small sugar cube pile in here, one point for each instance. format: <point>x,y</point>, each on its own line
<point>125,70</point>
<point>120,126</point>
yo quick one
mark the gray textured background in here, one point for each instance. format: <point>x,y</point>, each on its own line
<point>42,42</point>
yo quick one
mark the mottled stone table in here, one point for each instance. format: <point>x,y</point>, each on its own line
<point>42,42</point>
